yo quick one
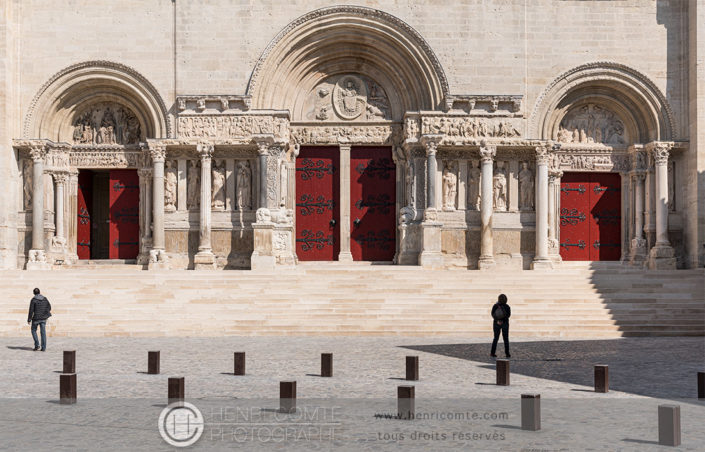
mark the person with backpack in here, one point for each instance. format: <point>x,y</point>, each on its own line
<point>39,312</point>
<point>500,315</point>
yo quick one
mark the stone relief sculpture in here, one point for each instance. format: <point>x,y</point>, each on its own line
<point>468,127</point>
<point>474,174</point>
<point>349,97</point>
<point>283,185</point>
<point>218,186</point>
<point>526,187</point>
<point>671,186</point>
<point>193,186</point>
<point>450,184</point>
<point>27,183</point>
<point>500,187</point>
<point>170,190</point>
<point>244,185</point>
<point>410,181</point>
<point>230,127</point>
<point>106,123</point>
<point>591,124</point>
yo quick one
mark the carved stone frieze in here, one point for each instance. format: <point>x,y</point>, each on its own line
<point>106,159</point>
<point>591,124</point>
<point>364,134</point>
<point>106,123</point>
<point>590,162</point>
<point>223,127</point>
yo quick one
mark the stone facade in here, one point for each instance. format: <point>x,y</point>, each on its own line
<point>210,102</point>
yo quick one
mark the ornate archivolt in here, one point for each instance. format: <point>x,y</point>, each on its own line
<point>74,90</point>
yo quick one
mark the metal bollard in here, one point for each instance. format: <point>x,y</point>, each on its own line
<point>502,372</point>
<point>67,389</point>
<point>669,425</point>
<point>412,368</point>
<point>326,364</point>
<point>69,361</point>
<point>602,382</point>
<point>153,359</point>
<point>239,363</point>
<point>287,397</point>
<point>701,385</point>
<point>406,404</point>
<point>531,412</point>
<point>177,389</point>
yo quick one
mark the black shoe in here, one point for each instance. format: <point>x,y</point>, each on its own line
<point>493,355</point>
<point>508,355</point>
<point>44,350</point>
<point>36,348</point>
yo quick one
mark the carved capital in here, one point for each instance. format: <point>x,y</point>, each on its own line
<point>205,150</point>
<point>542,154</point>
<point>639,176</point>
<point>487,152</point>
<point>554,174</point>
<point>157,151</point>
<point>61,178</point>
<point>430,143</point>
<point>37,153</point>
<point>660,151</point>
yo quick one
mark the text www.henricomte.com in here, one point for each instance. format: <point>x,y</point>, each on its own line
<point>448,416</point>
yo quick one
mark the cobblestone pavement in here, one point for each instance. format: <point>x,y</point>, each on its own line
<point>457,403</point>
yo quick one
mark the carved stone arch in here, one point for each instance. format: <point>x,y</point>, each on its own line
<point>348,39</point>
<point>624,91</point>
<point>76,87</point>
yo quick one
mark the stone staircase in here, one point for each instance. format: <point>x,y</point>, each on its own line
<point>576,300</point>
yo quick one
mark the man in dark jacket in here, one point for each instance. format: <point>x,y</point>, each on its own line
<point>39,312</point>
<point>500,322</point>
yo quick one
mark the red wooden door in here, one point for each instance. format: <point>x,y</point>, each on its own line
<point>84,208</point>
<point>317,208</point>
<point>124,214</point>
<point>590,217</point>
<point>372,199</point>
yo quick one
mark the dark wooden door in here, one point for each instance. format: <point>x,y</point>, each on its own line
<point>317,208</point>
<point>84,208</point>
<point>100,221</point>
<point>373,200</point>
<point>124,214</point>
<point>590,217</point>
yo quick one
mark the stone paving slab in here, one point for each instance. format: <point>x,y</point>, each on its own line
<point>119,404</point>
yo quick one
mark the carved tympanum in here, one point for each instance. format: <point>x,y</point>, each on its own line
<point>106,123</point>
<point>591,124</point>
<point>348,97</point>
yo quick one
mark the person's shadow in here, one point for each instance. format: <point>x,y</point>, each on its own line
<point>15,347</point>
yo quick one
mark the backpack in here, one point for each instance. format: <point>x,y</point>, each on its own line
<point>499,313</point>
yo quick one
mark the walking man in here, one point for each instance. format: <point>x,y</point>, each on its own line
<point>500,322</point>
<point>39,312</point>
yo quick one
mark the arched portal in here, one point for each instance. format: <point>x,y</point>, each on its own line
<point>348,39</point>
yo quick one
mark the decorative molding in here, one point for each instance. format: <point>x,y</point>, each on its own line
<point>491,103</point>
<point>221,103</point>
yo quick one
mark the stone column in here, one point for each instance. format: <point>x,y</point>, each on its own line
<point>345,254</point>
<point>487,154</point>
<point>157,255</point>
<point>430,256</point>
<point>263,151</point>
<point>662,255</point>
<point>73,215</point>
<point>554,190</point>
<point>145,178</point>
<point>638,244</point>
<point>37,255</point>
<point>205,259</point>
<point>60,179</point>
<point>541,259</point>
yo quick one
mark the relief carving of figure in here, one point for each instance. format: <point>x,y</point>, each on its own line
<point>526,187</point>
<point>410,183</point>
<point>218,186</point>
<point>244,185</point>
<point>27,183</point>
<point>499,185</point>
<point>671,186</point>
<point>169,187</point>
<point>474,174</point>
<point>450,184</point>
<point>193,187</point>
<point>349,97</point>
<point>591,124</point>
<point>106,123</point>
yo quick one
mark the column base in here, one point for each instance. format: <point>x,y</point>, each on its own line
<point>37,260</point>
<point>543,263</point>
<point>662,257</point>
<point>637,252</point>
<point>158,260</point>
<point>431,256</point>
<point>345,256</point>
<point>486,263</point>
<point>204,260</point>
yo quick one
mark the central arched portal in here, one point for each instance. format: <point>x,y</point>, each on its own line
<point>347,75</point>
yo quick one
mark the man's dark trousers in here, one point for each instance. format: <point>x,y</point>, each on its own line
<point>504,328</point>
<point>42,327</point>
